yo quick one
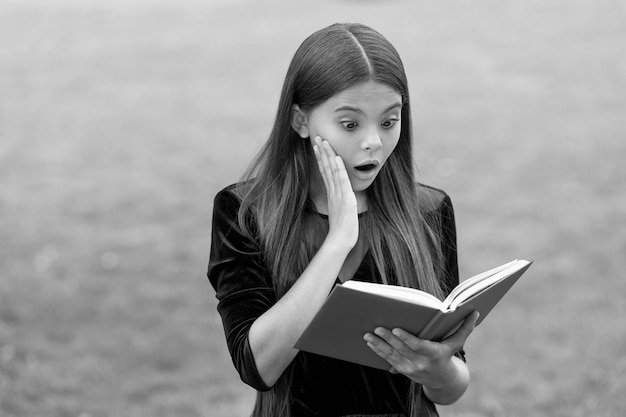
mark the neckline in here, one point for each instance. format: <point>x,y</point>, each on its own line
<point>325,216</point>
<point>310,206</point>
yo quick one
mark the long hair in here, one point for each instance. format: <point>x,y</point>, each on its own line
<point>275,187</point>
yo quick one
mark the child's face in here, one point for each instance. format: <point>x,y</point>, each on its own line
<point>362,124</point>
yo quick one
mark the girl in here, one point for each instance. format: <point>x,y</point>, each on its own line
<point>332,197</point>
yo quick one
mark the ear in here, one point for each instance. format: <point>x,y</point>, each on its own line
<point>299,121</point>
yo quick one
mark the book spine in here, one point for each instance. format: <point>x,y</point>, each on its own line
<point>429,330</point>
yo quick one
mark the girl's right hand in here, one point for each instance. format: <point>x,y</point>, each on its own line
<point>342,205</point>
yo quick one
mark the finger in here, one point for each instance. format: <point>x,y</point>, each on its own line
<point>327,171</point>
<point>320,166</point>
<point>459,337</point>
<point>329,149</point>
<point>342,176</point>
<point>382,349</point>
<point>330,153</point>
<point>335,166</point>
<point>396,343</point>
<point>413,342</point>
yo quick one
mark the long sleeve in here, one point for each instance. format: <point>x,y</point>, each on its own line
<point>243,286</point>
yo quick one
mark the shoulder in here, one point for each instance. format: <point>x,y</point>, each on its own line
<point>232,195</point>
<point>432,199</point>
<point>226,202</point>
<point>227,209</point>
<point>226,205</point>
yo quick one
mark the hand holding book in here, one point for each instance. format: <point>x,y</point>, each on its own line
<point>418,358</point>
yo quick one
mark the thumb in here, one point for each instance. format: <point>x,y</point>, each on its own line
<point>460,336</point>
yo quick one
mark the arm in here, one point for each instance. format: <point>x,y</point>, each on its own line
<point>260,331</point>
<point>273,334</point>
<point>452,389</point>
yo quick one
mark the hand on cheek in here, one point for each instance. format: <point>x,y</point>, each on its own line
<point>342,205</point>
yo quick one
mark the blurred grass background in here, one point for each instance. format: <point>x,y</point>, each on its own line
<point>120,120</point>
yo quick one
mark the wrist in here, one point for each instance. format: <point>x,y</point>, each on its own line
<point>446,375</point>
<point>337,246</point>
<point>452,384</point>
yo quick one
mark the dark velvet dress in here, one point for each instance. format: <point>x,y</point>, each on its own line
<point>321,386</point>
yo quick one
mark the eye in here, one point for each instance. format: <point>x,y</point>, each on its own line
<point>389,123</point>
<point>349,125</point>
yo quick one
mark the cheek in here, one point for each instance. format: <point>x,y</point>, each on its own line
<point>324,130</point>
<point>391,141</point>
<point>337,138</point>
<point>342,148</point>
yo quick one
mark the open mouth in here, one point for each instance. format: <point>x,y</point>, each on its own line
<point>365,167</point>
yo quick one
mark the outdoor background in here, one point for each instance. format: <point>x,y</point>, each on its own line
<point>120,120</point>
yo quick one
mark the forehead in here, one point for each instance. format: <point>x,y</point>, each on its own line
<point>370,96</point>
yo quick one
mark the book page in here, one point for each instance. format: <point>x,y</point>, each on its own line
<point>487,282</point>
<point>463,286</point>
<point>396,292</point>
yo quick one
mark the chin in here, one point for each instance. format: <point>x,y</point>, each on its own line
<point>361,186</point>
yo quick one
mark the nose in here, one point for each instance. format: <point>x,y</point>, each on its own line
<point>371,141</point>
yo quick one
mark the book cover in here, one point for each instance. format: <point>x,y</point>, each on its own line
<point>338,328</point>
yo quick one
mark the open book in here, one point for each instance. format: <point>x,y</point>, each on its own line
<point>355,308</point>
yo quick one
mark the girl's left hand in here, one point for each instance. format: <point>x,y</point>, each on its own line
<point>425,362</point>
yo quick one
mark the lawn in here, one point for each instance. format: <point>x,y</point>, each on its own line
<point>120,120</point>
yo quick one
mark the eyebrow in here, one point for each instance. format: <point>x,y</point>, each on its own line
<point>357,110</point>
